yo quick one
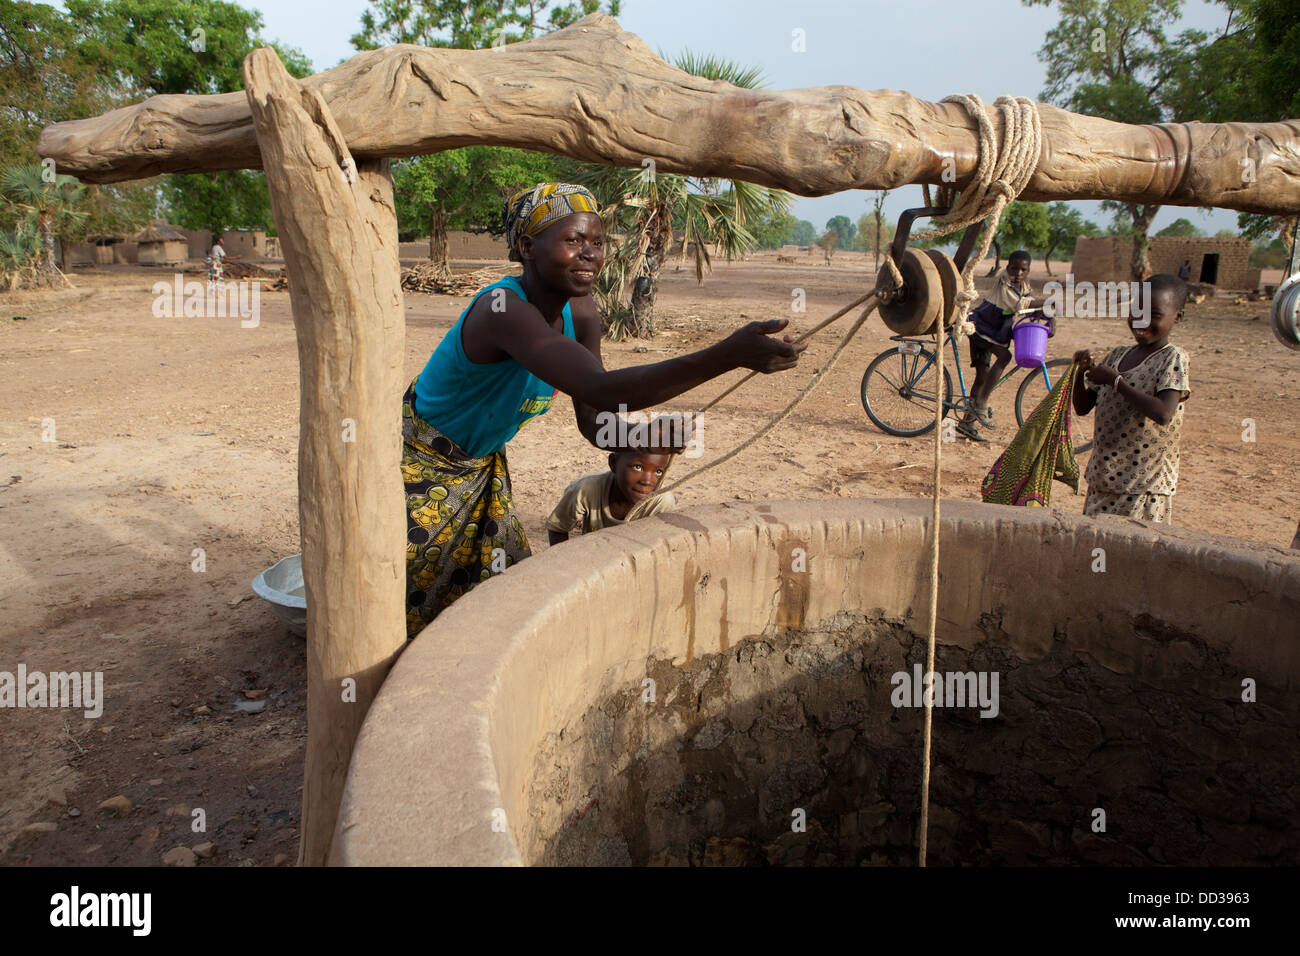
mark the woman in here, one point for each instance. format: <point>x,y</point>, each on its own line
<point>520,341</point>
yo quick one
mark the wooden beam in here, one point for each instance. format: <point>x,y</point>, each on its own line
<point>338,231</point>
<point>595,92</point>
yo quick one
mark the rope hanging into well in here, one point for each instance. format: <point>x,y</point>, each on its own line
<point>1004,167</point>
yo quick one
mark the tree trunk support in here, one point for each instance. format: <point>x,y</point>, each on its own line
<point>338,232</point>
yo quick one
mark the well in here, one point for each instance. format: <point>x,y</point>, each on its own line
<point>717,687</point>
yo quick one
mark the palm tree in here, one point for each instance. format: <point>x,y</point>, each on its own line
<point>48,202</point>
<point>642,208</point>
<point>18,255</point>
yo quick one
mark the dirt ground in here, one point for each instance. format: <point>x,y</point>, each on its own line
<point>176,434</point>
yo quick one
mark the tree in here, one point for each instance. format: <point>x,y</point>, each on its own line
<point>1180,227</point>
<point>642,206</point>
<point>1248,70</point>
<point>46,202</point>
<point>874,231</point>
<point>185,46</point>
<point>1064,225</point>
<point>805,233</point>
<point>828,243</point>
<point>1024,225</point>
<point>44,78</point>
<point>844,229</point>
<point>465,25</point>
<point>1111,58</point>
<point>462,188</point>
<point>774,230</point>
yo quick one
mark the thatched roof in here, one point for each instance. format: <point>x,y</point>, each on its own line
<point>160,232</point>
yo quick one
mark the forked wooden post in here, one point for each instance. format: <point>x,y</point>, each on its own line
<point>338,230</point>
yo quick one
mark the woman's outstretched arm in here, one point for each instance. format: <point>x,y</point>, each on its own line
<point>521,332</point>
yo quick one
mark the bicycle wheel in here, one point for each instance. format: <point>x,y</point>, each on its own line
<point>898,392</point>
<point>1033,390</point>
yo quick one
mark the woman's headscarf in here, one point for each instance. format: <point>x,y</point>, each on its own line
<point>529,211</point>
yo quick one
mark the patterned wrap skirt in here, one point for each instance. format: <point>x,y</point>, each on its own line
<point>216,273</point>
<point>461,526</point>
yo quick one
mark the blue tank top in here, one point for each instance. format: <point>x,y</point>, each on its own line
<point>481,406</point>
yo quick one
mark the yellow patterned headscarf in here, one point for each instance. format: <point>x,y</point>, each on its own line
<point>530,211</point>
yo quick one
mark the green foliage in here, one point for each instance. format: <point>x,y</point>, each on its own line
<point>1248,71</point>
<point>866,239</point>
<point>46,206</point>
<point>844,228</point>
<point>154,43</point>
<point>805,233</point>
<point>774,229</point>
<point>154,47</point>
<point>1226,234</point>
<point>1112,58</point>
<point>1065,224</point>
<point>467,186</point>
<point>467,24</point>
<point>1269,254</point>
<point>1024,225</point>
<point>1181,228</point>
<point>218,201</point>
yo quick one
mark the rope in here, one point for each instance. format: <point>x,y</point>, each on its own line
<point>807,335</point>
<point>1002,171</point>
<point>640,506</point>
<point>1001,174</point>
<point>1004,168</point>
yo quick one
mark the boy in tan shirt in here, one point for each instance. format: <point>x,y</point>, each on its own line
<point>604,499</point>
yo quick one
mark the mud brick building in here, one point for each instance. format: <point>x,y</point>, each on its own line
<point>1220,262</point>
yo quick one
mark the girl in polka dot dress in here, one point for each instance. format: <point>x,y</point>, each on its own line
<point>1138,391</point>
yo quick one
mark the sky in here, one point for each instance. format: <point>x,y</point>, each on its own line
<point>930,48</point>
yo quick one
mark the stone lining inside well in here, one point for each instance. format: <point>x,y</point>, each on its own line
<point>713,770</point>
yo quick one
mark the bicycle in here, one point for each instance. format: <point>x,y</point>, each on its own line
<point>898,390</point>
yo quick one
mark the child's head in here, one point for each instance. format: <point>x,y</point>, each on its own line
<point>1018,265</point>
<point>637,472</point>
<point>1157,306</point>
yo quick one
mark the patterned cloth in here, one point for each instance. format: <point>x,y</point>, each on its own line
<point>1132,455</point>
<point>1041,451</point>
<point>1142,507</point>
<point>529,211</point>
<point>216,273</point>
<point>461,525</point>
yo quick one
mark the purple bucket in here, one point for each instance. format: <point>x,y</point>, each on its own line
<point>1031,344</point>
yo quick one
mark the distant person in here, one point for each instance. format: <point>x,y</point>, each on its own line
<point>216,263</point>
<point>1185,270</point>
<point>604,499</point>
<point>1138,391</point>
<point>990,350</point>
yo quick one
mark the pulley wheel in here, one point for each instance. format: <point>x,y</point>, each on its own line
<point>915,310</point>
<point>950,279</point>
<point>1285,313</point>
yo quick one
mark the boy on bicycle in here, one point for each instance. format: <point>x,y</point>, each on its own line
<point>990,345</point>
